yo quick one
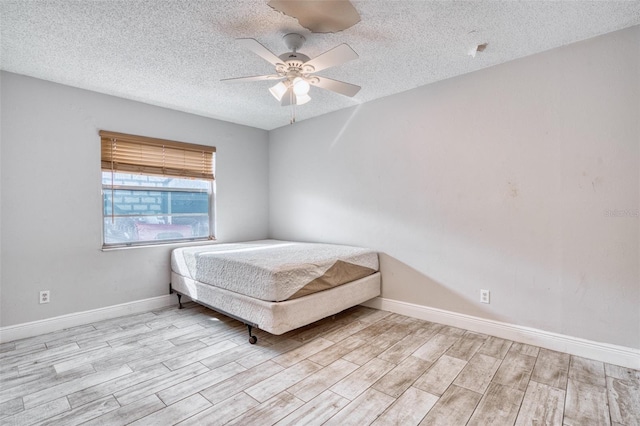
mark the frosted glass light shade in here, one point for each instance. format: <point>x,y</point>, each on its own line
<point>302,99</point>
<point>300,86</point>
<point>278,91</point>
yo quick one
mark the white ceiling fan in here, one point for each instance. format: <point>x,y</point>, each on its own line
<point>296,70</point>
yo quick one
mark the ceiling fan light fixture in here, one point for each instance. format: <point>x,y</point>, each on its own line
<point>300,86</point>
<point>278,91</point>
<point>302,99</point>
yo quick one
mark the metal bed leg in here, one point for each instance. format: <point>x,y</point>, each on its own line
<point>179,300</point>
<point>177,294</point>
<point>252,339</point>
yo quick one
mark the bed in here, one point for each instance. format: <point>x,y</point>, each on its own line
<point>273,285</point>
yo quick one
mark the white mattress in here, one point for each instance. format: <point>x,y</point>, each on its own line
<point>268,270</point>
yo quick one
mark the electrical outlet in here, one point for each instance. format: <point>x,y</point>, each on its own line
<point>484,296</point>
<point>44,296</point>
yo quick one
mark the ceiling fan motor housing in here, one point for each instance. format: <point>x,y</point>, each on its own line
<point>294,59</point>
<point>294,64</point>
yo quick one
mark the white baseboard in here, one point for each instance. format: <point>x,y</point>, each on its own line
<point>605,352</point>
<point>30,329</point>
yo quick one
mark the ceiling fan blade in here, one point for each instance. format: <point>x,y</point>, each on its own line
<point>336,56</point>
<point>340,87</point>
<point>257,48</point>
<point>254,78</point>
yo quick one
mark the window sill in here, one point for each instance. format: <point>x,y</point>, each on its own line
<point>158,245</point>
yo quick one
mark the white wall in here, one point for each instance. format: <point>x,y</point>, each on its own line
<point>500,179</point>
<point>51,200</point>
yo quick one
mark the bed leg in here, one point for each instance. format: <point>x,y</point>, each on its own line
<point>179,300</point>
<point>252,339</point>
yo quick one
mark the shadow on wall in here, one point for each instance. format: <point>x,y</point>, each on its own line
<point>401,282</point>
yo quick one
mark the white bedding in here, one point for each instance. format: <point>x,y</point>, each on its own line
<point>268,270</point>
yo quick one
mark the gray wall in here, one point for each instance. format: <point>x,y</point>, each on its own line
<point>522,179</point>
<point>51,200</point>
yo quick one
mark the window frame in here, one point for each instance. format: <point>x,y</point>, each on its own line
<point>112,138</point>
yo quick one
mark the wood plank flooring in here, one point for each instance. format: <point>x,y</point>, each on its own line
<point>363,366</point>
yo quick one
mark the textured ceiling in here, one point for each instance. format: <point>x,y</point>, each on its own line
<point>173,53</point>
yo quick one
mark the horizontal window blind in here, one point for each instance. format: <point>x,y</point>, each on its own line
<point>138,154</point>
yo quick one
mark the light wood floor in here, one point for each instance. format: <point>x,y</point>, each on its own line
<point>363,366</point>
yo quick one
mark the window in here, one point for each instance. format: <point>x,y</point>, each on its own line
<point>155,190</point>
